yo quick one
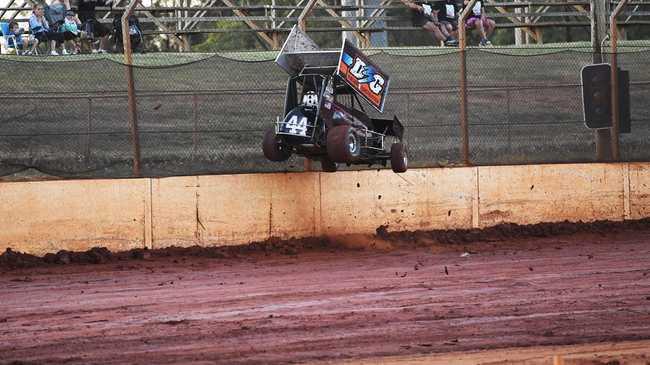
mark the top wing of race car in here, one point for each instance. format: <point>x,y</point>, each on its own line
<point>301,56</point>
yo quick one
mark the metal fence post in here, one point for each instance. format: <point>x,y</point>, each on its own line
<point>195,119</point>
<point>128,63</point>
<point>302,25</point>
<point>89,129</point>
<point>462,44</point>
<point>598,14</point>
<point>614,87</point>
<point>509,120</point>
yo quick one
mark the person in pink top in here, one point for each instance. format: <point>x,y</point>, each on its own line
<point>478,20</point>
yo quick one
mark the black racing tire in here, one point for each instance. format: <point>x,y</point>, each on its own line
<point>328,165</point>
<point>343,145</point>
<point>273,147</point>
<point>398,158</point>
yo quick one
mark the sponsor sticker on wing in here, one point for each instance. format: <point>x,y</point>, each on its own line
<point>363,76</point>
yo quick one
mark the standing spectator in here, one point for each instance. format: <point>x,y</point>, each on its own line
<point>478,20</point>
<point>92,26</point>
<point>19,43</point>
<point>427,18</point>
<point>40,28</point>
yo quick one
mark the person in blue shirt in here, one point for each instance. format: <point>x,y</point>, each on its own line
<point>41,30</point>
<point>20,43</point>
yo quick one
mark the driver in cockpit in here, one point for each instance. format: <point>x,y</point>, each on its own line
<point>310,99</point>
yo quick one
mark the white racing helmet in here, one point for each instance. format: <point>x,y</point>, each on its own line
<point>310,99</point>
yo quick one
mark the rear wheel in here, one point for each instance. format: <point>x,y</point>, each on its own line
<point>343,145</point>
<point>398,158</point>
<point>328,165</point>
<point>273,147</point>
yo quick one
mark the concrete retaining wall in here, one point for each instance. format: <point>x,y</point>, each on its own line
<point>41,217</point>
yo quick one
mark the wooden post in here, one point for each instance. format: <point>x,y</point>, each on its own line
<point>349,35</point>
<point>462,44</point>
<point>302,25</point>
<point>614,87</point>
<point>128,63</point>
<point>598,31</point>
<point>519,33</point>
<point>302,19</point>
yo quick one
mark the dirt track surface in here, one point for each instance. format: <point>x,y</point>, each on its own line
<point>331,304</point>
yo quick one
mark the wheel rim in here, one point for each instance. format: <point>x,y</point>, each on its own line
<point>352,144</point>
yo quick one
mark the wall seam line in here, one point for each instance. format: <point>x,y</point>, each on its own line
<point>148,215</point>
<point>476,214</point>
<point>627,214</point>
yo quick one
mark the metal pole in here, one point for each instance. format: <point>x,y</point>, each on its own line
<point>89,129</point>
<point>303,27</point>
<point>462,44</point>
<point>614,91</point>
<point>195,120</point>
<point>349,35</point>
<point>598,31</point>
<point>128,62</point>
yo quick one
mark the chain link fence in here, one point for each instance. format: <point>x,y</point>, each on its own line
<point>206,114</point>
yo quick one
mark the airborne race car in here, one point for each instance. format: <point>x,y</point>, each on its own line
<point>327,122</point>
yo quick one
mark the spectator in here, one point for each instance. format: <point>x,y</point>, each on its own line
<point>40,28</point>
<point>478,20</point>
<point>71,25</point>
<point>135,33</point>
<point>448,16</point>
<point>55,14</point>
<point>426,17</point>
<point>92,26</point>
<point>19,43</point>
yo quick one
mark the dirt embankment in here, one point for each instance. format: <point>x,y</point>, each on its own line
<point>384,239</point>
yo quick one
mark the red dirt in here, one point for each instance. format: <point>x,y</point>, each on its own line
<point>312,300</point>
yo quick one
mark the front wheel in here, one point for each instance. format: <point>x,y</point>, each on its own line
<point>274,149</point>
<point>398,158</point>
<point>343,145</point>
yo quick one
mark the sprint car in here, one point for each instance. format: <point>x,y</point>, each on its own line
<point>324,117</point>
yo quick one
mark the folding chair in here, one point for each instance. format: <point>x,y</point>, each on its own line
<point>9,39</point>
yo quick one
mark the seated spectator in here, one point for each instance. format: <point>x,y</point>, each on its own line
<point>41,30</point>
<point>135,33</point>
<point>478,20</point>
<point>55,14</point>
<point>72,25</point>
<point>20,44</point>
<point>427,18</point>
<point>448,17</point>
<point>91,26</point>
